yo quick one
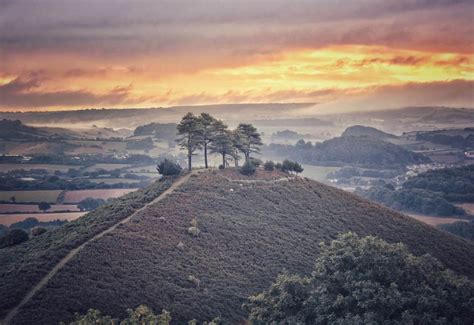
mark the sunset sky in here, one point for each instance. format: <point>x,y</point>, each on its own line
<point>65,54</point>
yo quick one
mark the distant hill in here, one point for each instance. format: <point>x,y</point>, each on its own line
<point>14,129</point>
<point>160,131</point>
<point>349,150</point>
<point>133,117</point>
<point>422,114</point>
<point>204,248</point>
<point>367,131</point>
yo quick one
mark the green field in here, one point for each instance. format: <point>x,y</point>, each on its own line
<point>318,173</point>
<point>49,196</point>
<point>113,180</point>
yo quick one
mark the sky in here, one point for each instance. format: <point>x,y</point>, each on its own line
<point>69,54</point>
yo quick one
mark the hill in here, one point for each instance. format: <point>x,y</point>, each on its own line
<point>10,129</point>
<point>204,248</point>
<point>349,150</point>
<point>367,132</point>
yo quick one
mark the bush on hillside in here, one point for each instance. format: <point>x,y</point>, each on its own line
<point>13,237</point>
<point>256,162</point>
<point>269,166</point>
<point>167,168</point>
<point>90,203</point>
<point>289,166</point>
<point>36,231</point>
<point>248,169</point>
<point>346,288</point>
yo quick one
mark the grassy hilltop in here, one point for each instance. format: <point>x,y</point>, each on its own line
<point>214,241</point>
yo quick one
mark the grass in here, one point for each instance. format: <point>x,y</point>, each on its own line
<point>247,236</point>
<point>318,173</point>
<point>49,196</point>
<point>24,265</point>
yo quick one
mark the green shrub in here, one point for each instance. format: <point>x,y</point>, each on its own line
<point>167,167</point>
<point>248,169</point>
<point>289,166</point>
<point>90,203</point>
<point>367,281</point>
<point>13,237</point>
<point>36,231</point>
<point>269,165</point>
<point>256,162</point>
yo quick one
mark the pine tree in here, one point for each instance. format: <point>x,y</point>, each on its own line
<point>248,140</point>
<point>189,130</point>
<point>208,130</point>
<point>222,142</point>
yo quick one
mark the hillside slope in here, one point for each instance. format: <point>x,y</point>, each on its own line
<point>349,150</point>
<point>250,230</point>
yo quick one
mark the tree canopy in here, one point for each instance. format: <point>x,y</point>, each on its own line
<point>367,281</point>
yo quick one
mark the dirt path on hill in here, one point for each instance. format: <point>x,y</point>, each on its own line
<point>13,312</point>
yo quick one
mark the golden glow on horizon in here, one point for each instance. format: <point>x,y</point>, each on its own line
<point>319,75</point>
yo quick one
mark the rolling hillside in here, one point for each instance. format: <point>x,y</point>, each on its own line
<point>349,150</point>
<point>204,248</point>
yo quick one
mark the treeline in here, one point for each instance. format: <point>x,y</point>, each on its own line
<point>166,131</point>
<point>433,192</point>
<point>411,200</point>
<point>456,141</point>
<point>464,229</point>
<point>21,231</point>
<point>356,151</point>
<point>210,135</point>
<point>454,184</point>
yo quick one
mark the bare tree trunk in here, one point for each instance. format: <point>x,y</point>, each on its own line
<point>223,160</point>
<point>189,162</point>
<point>205,154</point>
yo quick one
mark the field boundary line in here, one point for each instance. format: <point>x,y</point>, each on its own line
<point>30,294</point>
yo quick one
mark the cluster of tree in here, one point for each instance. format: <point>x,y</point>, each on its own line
<point>454,184</point>
<point>142,315</point>
<point>464,229</point>
<point>356,151</point>
<point>160,131</point>
<point>21,231</point>
<point>89,160</point>
<point>367,281</point>
<point>210,135</point>
<point>145,144</point>
<point>89,204</point>
<point>286,166</point>
<point>456,141</point>
<point>289,135</point>
<point>56,183</point>
<point>168,168</point>
<point>30,223</point>
<point>412,200</point>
